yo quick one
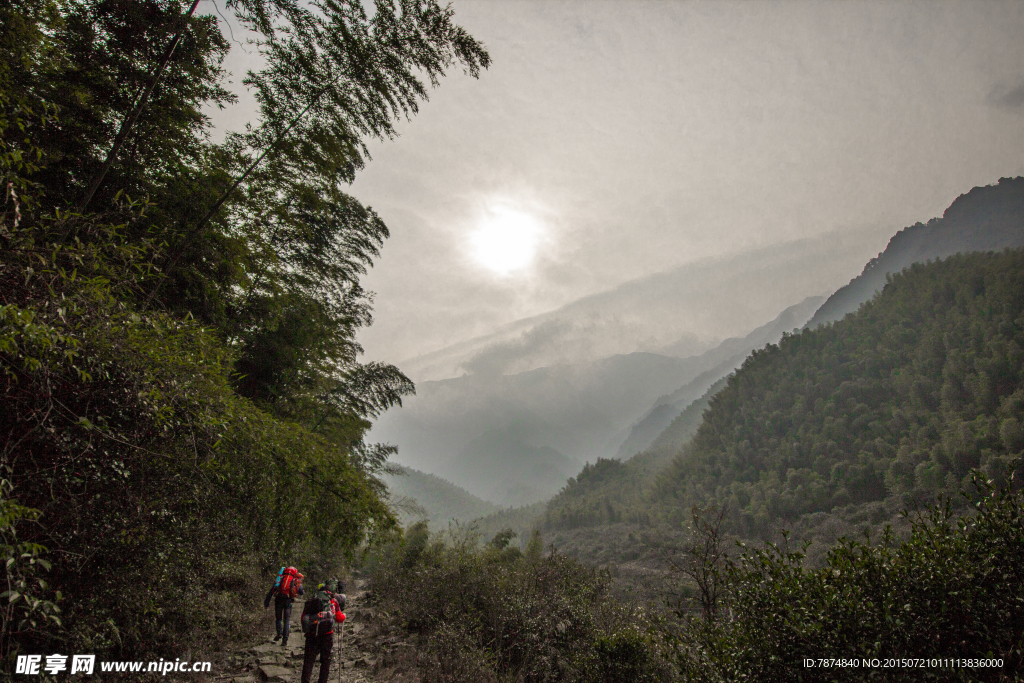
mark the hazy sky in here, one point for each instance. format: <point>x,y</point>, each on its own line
<point>613,140</point>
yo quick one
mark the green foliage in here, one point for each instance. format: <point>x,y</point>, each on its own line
<point>625,657</point>
<point>953,589</point>
<point>606,492</point>
<point>27,604</point>
<point>183,404</point>
<point>494,613</point>
<point>593,497</point>
<point>900,400</point>
<point>154,481</point>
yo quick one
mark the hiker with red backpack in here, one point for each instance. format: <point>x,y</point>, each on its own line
<point>319,617</point>
<point>286,588</point>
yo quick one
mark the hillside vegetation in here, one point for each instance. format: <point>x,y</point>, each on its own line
<point>943,605</point>
<point>496,614</point>
<point>900,400</point>
<point>610,491</point>
<point>945,601</point>
<point>183,405</point>
<point>721,360</point>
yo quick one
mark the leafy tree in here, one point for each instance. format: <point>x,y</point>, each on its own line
<point>183,403</point>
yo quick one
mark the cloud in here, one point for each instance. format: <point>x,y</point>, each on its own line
<point>1008,97</point>
<point>498,357</point>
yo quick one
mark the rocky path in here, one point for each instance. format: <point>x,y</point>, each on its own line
<point>365,652</point>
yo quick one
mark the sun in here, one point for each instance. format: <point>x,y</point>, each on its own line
<point>506,240</point>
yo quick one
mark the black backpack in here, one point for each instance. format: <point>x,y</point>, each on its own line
<point>318,618</point>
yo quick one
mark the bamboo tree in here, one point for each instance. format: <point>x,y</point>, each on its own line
<point>133,116</point>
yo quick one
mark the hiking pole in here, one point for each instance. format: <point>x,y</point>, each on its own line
<point>342,645</point>
<point>335,651</point>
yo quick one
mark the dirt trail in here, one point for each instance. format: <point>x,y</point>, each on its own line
<point>364,652</point>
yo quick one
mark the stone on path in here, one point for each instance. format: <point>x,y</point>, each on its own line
<point>275,674</point>
<point>267,647</point>
<point>275,659</point>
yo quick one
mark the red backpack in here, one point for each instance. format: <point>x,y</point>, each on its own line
<point>291,579</point>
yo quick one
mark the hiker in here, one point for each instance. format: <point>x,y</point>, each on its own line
<point>319,617</point>
<point>286,588</point>
<point>337,589</point>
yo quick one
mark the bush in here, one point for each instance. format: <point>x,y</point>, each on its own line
<point>493,613</point>
<point>29,615</point>
<point>954,589</point>
<point>453,656</point>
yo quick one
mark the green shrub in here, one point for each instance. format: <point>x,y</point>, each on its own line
<point>28,606</point>
<point>953,589</point>
<point>625,657</point>
<point>453,656</point>
<point>495,613</point>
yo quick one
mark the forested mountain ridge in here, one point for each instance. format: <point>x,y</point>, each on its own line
<point>725,357</point>
<point>904,397</point>
<point>609,491</point>
<point>984,219</point>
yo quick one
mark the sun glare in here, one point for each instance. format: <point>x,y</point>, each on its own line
<point>505,241</point>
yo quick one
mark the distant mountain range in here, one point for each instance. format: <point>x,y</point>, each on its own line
<point>567,387</point>
<point>522,420</point>
<point>504,467</point>
<point>514,439</point>
<point>418,495</point>
<point>985,219</point>
<point>555,417</point>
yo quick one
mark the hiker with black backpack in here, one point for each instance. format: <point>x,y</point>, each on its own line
<point>337,590</point>
<point>319,617</point>
<point>286,588</point>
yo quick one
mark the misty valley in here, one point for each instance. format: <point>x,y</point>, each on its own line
<point>651,424</point>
